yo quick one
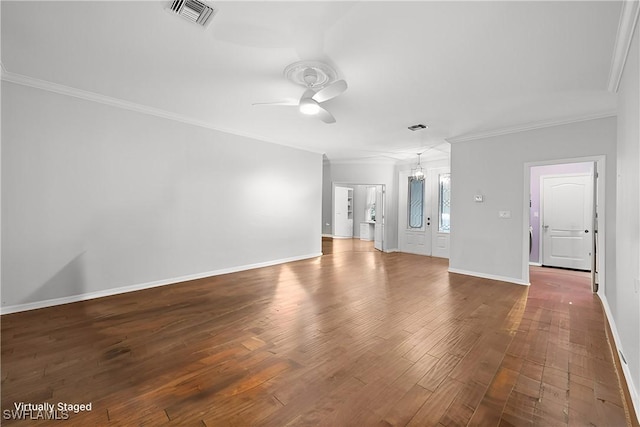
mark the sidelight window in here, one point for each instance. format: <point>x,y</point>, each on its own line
<point>416,202</point>
<point>444,204</point>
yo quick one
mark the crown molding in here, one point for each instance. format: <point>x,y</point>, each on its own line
<point>530,126</point>
<point>626,25</point>
<point>363,161</point>
<point>131,106</point>
<point>443,158</point>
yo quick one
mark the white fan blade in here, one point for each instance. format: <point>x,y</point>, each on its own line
<point>307,94</point>
<point>288,102</point>
<point>325,116</point>
<point>331,91</point>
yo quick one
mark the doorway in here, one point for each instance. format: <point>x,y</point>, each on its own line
<point>358,212</point>
<point>562,225</point>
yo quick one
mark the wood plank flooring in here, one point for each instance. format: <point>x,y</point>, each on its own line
<point>353,338</point>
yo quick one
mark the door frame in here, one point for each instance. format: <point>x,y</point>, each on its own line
<point>599,203</point>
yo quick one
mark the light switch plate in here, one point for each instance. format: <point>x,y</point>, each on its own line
<point>504,214</point>
<point>478,198</point>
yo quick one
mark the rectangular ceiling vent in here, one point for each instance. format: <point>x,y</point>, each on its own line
<point>417,127</point>
<point>194,11</point>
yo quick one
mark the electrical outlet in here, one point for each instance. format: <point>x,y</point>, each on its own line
<point>636,284</point>
<point>504,214</point>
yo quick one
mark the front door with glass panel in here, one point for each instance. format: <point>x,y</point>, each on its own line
<point>414,218</point>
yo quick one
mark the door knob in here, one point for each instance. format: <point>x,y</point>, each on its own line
<point>586,231</point>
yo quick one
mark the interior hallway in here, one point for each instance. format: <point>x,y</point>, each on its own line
<point>355,337</point>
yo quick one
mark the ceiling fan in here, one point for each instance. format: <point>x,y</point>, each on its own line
<point>321,85</point>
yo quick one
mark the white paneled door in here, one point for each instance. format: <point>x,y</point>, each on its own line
<point>567,221</point>
<point>343,212</point>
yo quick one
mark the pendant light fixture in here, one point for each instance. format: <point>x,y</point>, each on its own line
<point>418,172</point>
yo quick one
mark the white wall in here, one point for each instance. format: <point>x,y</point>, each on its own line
<point>96,197</point>
<point>373,173</point>
<point>625,301</point>
<point>482,243</point>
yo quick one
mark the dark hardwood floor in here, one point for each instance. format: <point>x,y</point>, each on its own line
<point>353,338</point>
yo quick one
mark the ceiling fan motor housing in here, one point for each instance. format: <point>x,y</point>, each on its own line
<point>310,74</point>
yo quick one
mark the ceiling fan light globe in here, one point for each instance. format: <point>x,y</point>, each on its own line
<point>309,108</point>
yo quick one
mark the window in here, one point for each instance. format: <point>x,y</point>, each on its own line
<point>444,203</point>
<point>416,202</point>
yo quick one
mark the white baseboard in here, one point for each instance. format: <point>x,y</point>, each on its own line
<point>537,264</point>
<point>388,251</point>
<point>114,291</point>
<point>489,276</point>
<point>413,253</point>
<point>631,386</point>
<point>328,235</point>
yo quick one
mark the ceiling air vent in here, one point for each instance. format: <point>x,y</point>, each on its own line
<point>194,11</point>
<point>417,127</point>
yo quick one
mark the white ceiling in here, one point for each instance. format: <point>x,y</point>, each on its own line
<point>459,67</point>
